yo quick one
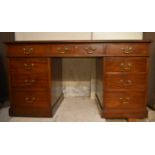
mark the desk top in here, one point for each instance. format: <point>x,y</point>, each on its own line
<point>79,41</point>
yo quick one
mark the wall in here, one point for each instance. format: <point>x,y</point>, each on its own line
<point>77,35</point>
<point>78,74</point>
<point>117,35</point>
<point>52,36</point>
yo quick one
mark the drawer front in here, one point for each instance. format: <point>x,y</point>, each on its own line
<point>62,50</point>
<point>90,49</point>
<point>81,50</point>
<point>117,64</point>
<point>27,50</point>
<point>126,81</point>
<point>124,100</point>
<point>30,66</point>
<point>29,82</point>
<point>30,99</point>
<point>127,49</point>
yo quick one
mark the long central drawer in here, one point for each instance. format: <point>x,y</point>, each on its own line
<point>77,50</point>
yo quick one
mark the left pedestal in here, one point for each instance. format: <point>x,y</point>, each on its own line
<point>30,87</point>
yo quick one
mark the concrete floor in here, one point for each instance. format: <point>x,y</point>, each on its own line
<point>77,109</point>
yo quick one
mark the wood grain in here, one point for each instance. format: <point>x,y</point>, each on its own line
<point>127,49</point>
<point>122,73</point>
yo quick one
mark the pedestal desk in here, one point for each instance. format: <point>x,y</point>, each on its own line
<point>35,75</point>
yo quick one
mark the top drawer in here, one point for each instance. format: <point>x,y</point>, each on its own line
<point>27,50</point>
<point>77,50</point>
<point>127,49</point>
<point>62,50</point>
<point>29,66</point>
<point>90,49</point>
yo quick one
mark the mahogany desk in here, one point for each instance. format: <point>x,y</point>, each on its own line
<point>35,74</point>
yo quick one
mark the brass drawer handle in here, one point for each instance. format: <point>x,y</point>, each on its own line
<point>29,82</point>
<point>127,50</point>
<point>94,49</point>
<point>28,51</point>
<point>125,100</point>
<point>30,99</point>
<point>62,51</point>
<point>86,49</point>
<point>126,83</point>
<point>90,50</point>
<point>126,67</point>
<point>28,66</point>
<point>66,49</point>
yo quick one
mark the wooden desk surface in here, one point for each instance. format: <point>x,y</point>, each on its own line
<point>79,41</point>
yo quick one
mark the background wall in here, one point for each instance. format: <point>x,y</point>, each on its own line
<point>78,74</point>
<point>77,35</point>
<point>117,35</point>
<point>52,35</point>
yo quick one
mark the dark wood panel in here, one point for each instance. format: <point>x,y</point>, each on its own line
<point>151,85</point>
<point>36,82</point>
<point>99,81</point>
<point>56,79</point>
<point>30,99</point>
<point>31,112</point>
<point>125,81</point>
<point>127,49</point>
<point>27,50</point>
<point>125,100</point>
<point>131,65</point>
<point>90,49</point>
<point>62,50</point>
<point>30,89</point>
<point>28,66</point>
<point>4,92</point>
<point>77,41</point>
<point>79,50</point>
<point>125,113</point>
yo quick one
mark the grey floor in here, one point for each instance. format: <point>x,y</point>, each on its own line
<point>77,109</point>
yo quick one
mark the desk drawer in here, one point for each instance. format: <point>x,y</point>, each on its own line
<point>126,81</point>
<point>81,50</point>
<point>27,50</point>
<point>30,99</point>
<point>125,100</point>
<point>90,49</point>
<point>30,66</point>
<point>29,82</point>
<point>127,49</point>
<point>119,64</point>
<point>62,50</point>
